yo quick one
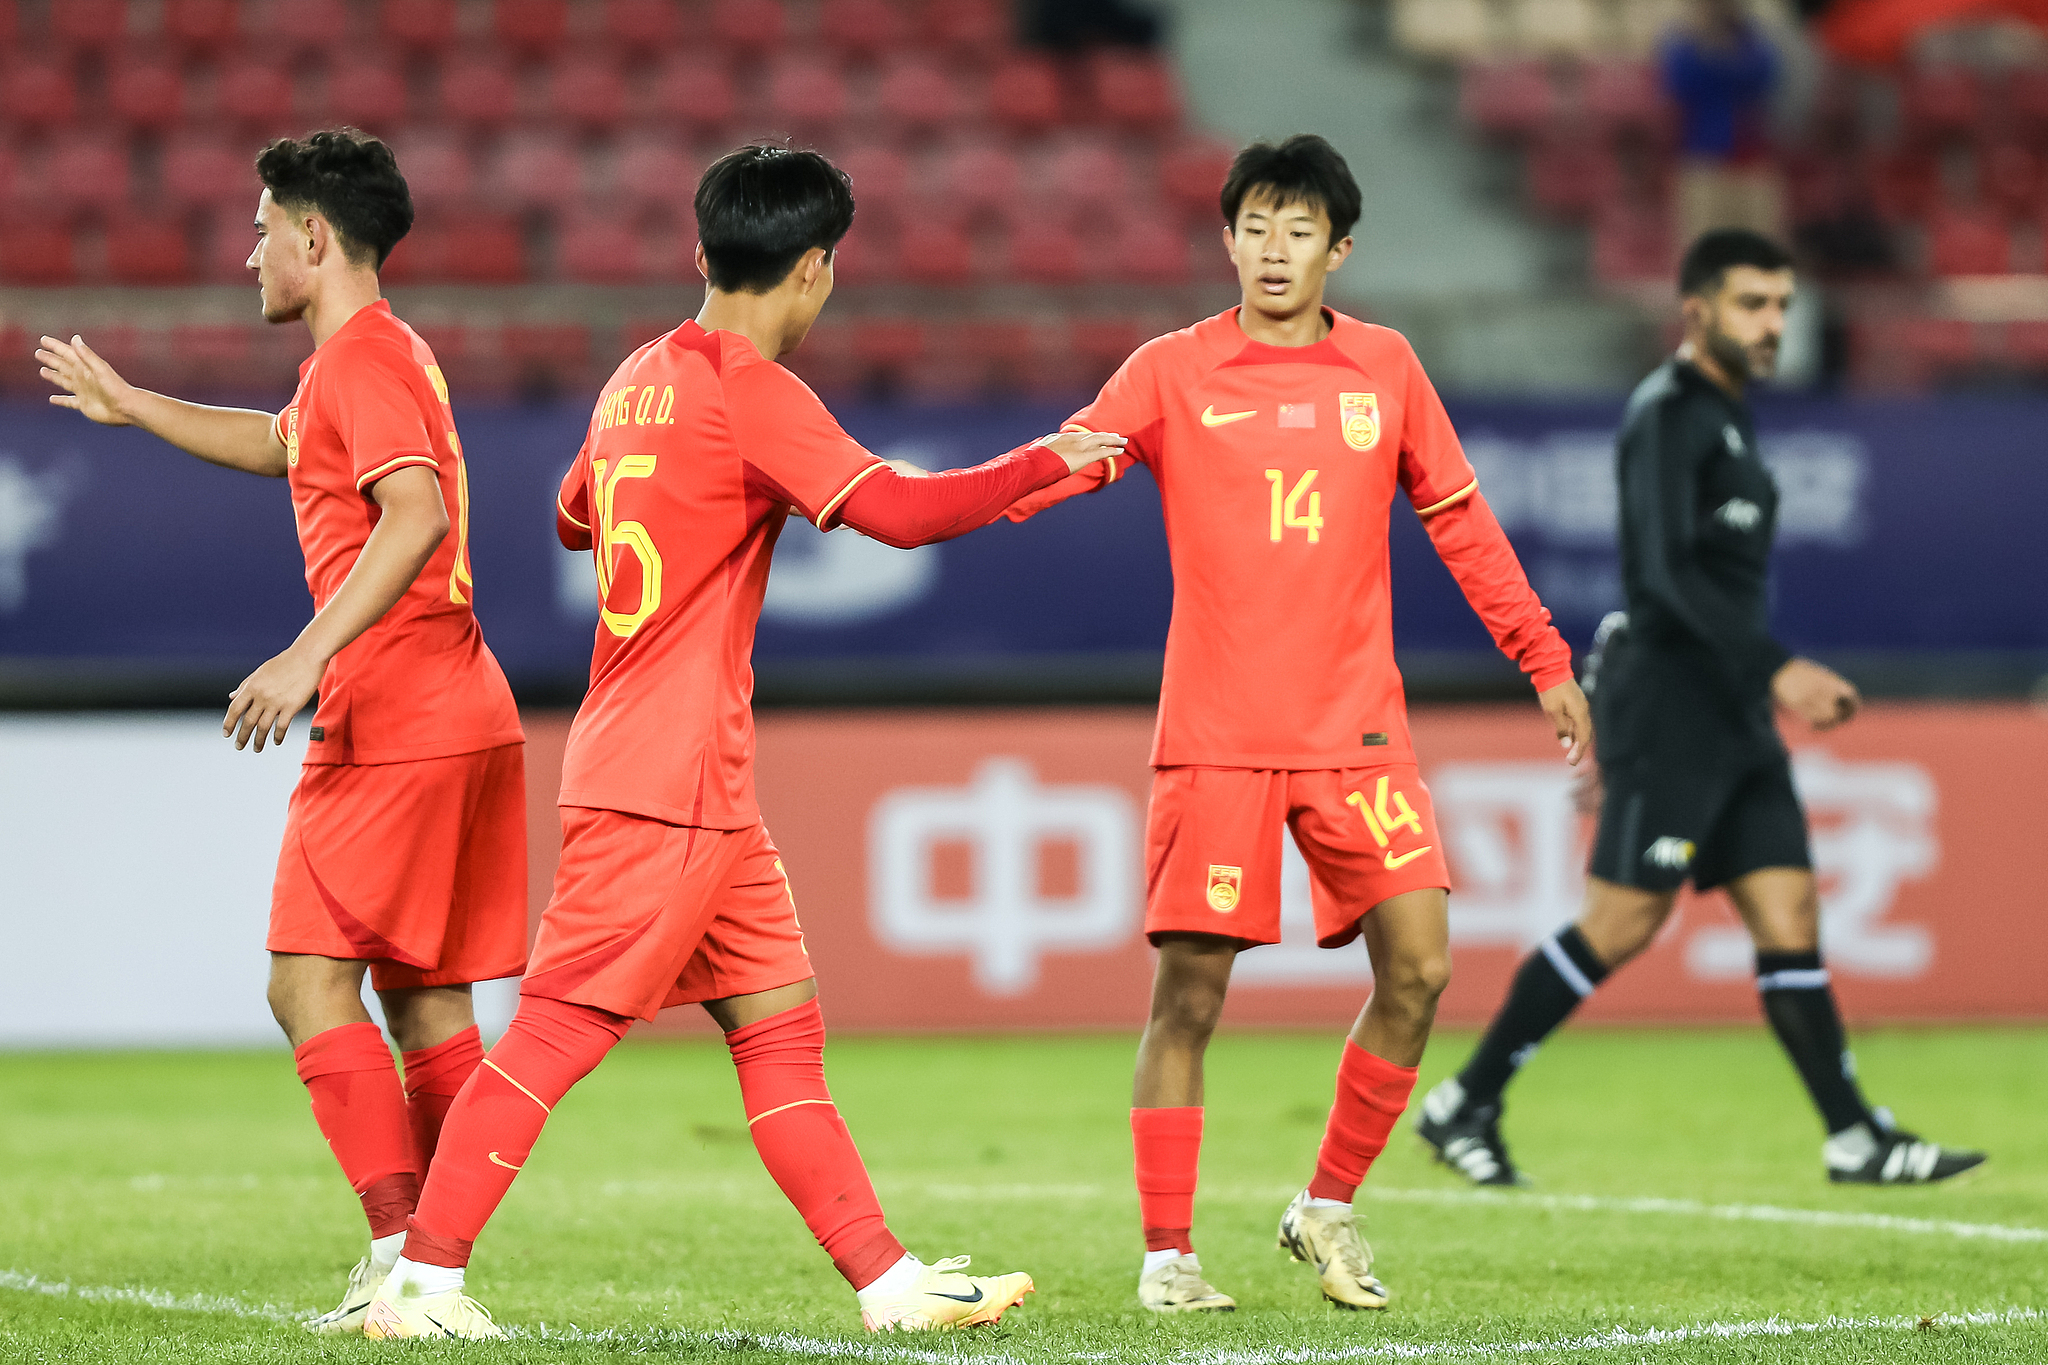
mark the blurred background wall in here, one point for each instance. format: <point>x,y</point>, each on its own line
<point>1036,187</point>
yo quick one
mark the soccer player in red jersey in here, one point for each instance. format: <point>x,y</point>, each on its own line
<point>1278,433</point>
<point>405,849</point>
<point>669,889</point>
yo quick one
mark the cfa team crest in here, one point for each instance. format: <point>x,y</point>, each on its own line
<point>1359,415</point>
<point>1224,886</point>
<point>291,437</point>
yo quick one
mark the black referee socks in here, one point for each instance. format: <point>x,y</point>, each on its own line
<point>1800,1004</point>
<point>1548,987</point>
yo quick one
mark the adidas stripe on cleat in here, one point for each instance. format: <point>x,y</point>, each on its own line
<point>942,1299</point>
<point>1891,1156</point>
<point>1466,1138</point>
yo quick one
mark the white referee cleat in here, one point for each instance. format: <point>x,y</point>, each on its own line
<point>1327,1238</point>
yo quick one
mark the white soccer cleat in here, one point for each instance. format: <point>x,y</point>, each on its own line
<point>1177,1286</point>
<point>347,1319</point>
<point>394,1314</point>
<point>941,1299</point>
<point>1327,1238</point>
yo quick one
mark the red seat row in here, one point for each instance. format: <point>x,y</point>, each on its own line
<point>1915,352</point>
<point>1520,99</point>
<point>537,27</point>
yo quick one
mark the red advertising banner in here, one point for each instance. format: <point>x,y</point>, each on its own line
<point>984,869</point>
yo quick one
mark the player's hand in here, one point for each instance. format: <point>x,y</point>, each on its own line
<point>90,384</point>
<point>268,698</point>
<point>1815,693</point>
<point>1083,448</point>
<point>1566,706</point>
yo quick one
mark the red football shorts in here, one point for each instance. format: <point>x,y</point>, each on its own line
<point>1212,847</point>
<point>419,867</point>
<point>646,915</point>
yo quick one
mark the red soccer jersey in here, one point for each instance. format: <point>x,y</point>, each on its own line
<point>1277,468</point>
<point>696,453</point>
<point>420,683</point>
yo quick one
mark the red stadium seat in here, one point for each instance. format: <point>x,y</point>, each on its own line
<point>205,171</point>
<point>1940,102</point>
<point>302,26</point>
<point>1905,185</point>
<point>2026,99</point>
<point>880,175</point>
<point>230,237</point>
<point>86,171</point>
<point>1626,97</point>
<point>2026,344</point>
<point>979,179</point>
<point>202,27</point>
<point>37,253</point>
<point>1633,243</point>
<point>1967,242</point>
<point>1506,99</point>
<point>148,251</point>
<point>537,171</point>
<point>642,26</point>
<point>535,27</point>
<point>88,25</point>
<point>862,28</point>
<point>696,93</point>
<point>486,250</point>
<point>587,93</point>
<point>2009,177</point>
<point>1150,251</point>
<point>1570,175</point>
<point>257,95</point>
<point>749,26</point>
<point>806,94</point>
<point>146,93</point>
<point>888,343</point>
<point>479,92</point>
<point>865,255</point>
<point>598,251</point>
<point>366,91</point>
<point>1085,173</point>
<point>919,95</point>
<point>969,27</point>
<point>1135,92</point>
<point>423,25</point>
<point>38,95</point>
<point>10,22</point>
<point>438,168</point>
<point>1191,177</point>
<point>221,346</point>
<point>655,173</point>
<point>1045,252</point>
<point>1024,95</point>
<point>421,255</point>
<point>1911,352</point>
<point>1107,342</point>
<point>934,252</point>
<point>554,344</point>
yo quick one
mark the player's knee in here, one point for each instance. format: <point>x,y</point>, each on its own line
<point>1425,976</point>
<point>1189,1013</point>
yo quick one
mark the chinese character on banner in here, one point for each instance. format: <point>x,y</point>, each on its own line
<point>1005,917</point>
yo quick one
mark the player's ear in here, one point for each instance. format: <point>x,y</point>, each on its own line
<point>1230,242</point>
<point>703,263</point>
<point>1339,253</point>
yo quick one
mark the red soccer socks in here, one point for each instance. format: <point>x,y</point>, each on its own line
<point>433,1075</point>
<point>1168,1147</point>
<point>361,1111</point>
<point>1371,1093</point>
<point>805,1144</point>
<point>498,1115</point>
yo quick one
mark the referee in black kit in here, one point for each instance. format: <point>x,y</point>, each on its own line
<point>1696,781</point>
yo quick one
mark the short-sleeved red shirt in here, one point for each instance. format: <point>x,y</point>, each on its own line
<point>1277,468</point>
<point>696,452</point>
<point>420,683</point>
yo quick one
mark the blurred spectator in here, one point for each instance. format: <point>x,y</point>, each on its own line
<point>1070,25</point>
<point>1720,70</point>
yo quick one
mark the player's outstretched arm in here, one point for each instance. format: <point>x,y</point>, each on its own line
<point>1815,693</point>
<point>922,508</point>
<point>238,438</point>
<point>412,527</point>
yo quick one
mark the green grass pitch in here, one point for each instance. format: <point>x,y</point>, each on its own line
<point>180,1206</point>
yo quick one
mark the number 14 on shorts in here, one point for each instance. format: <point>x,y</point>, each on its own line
<point>1382,823</point>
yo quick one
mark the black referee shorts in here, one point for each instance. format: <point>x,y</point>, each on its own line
<point>1662,823</point>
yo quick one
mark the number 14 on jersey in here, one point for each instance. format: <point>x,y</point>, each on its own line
<point>1287,506</point>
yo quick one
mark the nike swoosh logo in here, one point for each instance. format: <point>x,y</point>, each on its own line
<point>1392,861</point>
<point>496,1161</point>
<point>430,1318</point>
<point>958,1298</point>
<point>1213,418</point>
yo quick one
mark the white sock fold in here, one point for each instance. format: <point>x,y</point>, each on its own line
<point>892,1281</point>
<point>384,1251</point>
<point>1314,1203</point>
<point>1155,1259</point>
<point>426,1281</point>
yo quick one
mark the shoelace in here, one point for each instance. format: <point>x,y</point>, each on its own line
<point>1348,1248</point>
<point>950,1264</point>
<point>1187,1283</point>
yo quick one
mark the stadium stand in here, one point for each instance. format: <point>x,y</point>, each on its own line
<point>555,144</point>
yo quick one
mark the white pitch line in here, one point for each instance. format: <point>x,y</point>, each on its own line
<point>1618,1338</point>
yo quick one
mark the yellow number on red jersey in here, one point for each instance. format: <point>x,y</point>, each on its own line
<point>1287,513</point>
<point>630,536</point>
<point>458,577</point>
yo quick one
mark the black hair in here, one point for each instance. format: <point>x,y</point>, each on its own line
<point>1719,251</point>
<point>352,180</point>
<point>760,208</point>
<point>1305,169</point>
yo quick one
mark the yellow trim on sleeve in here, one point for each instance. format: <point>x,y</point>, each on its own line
<point>780,1107</point>
<point>381,470</point>
<point>1463,493</point>
<point>567,515</point>
<point>833,506</point>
